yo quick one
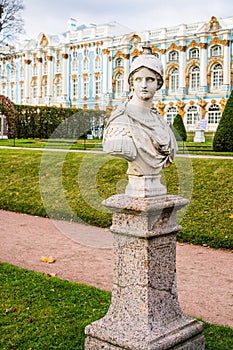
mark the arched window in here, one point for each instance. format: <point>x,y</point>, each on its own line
<point>173,56</point>
<point>215,50</point>
<point>34,88</point>
<point>174,80</point>
<point>75,87</point>
<point>57,88</point>
<point>214,114</point>
<point>192,115</point>
<point>34,70</point>
<point>97,63</point>
<point>86,86</point>
<point>74,66</point>
<point>97,86</point>
<point>194,81</point>
<point>119,84</point>
<point>119,62</point>
<point>58,67</point>
<point>216,77</point>
<point>85,65</point>
<point>170,115</point>
<point>44,88</point>
<point>194,53</point>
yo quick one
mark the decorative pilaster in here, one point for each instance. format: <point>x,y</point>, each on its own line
<point>50,74</point>
<point>27,77</point>
<point>144,313</point>
<point>65,78</point>
<point>226,62</point>
<point>182,87</point>
<point>203,72</point>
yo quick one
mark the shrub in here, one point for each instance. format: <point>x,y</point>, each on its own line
<point>179,129</point>
<point>223,138</point>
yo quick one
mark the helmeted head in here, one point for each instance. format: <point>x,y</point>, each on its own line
<point>147,60</point>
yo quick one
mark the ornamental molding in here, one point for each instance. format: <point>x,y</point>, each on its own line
<point>27,61</point>
<point>193,63</point>
<point>65,56</point>
<point>226,42</point>
<point>136,52</point>
<point>216,41</point>
<point>135,39</point>
<point>173,46</point>
<point>106,52</point>
<point>155,49</point>
<point>163,51</point>
<point>39,59</point>
<point>222,103</point>
<point>203,46</point>
<point>182,48</point>
<point>211,63</point>
<point>171,66</point>
<point>50,58</point>
<point>120,54</point>
<point>193,44</point>
<point>214,24</point>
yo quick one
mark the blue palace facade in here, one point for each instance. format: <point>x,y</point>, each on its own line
<point>87,67</point>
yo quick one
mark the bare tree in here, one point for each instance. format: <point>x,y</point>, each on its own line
<point>11,22</point>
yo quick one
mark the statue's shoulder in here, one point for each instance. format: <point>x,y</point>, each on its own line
<point>118,115</point>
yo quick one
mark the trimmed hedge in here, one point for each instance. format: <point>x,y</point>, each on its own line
<point>179,129</point>
<point>223,138</point>
<point>45,122</point>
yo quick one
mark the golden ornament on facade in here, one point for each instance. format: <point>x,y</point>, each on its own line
<point>226,42</point>
<point>106,52</point>
<point>173,46</point>
<point>39,59</point>
<point>65,56</point>
<point>160,106</point>
<point>203,46</point>
<point>193,44</point>
<point>214,23</point>
<point>136,52</point>
<point>27,61</point>
<point>171,103</point>
<point>50,58</point>
<point>163,51</point>
<point>182,48</point>
<point>191,103</point>
<point>222,103</point>
<point>213,102</point>
<point>216,41</point>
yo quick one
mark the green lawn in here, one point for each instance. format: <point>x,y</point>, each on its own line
<point>41,312</point>
<point>71,186</point>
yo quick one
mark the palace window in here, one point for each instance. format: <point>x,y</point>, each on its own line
<point>58,67</point>
<point>97,63</point>
<point>214,114</point>
<point>34,70</point>
<point>21,92</point>
<point>97,86</point>
<point>173,56</point>
<point>45,87</point>
<point>194,53</point>
<point>98,51</point>
<point>170,115</point>
<point>13,75</point>
<point>75,87</point>
<point>21,73</point>
<point>45,69</point>
<point>215,50</point>
<point>86,86</point>
<point>57,87</point>
<point>174,80</point>
<point>119,84</point>
<point>34,89</point>
<point>75,54</point>
<point>216,77</point>
<point>194,82</point>
<point>119,62</point>
<point>192,115</point>
<point>12,92</point>
<point>86,52</point>
<point>75,66</point>
<point>85,65</point>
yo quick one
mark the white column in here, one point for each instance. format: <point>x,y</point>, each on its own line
<point>182,61</point>
<point>50,73</point>
<point>110,73</point>
<point>105,72</point>
<point>203,63</point>
<point>39,78</point>
<point>126,68</point>
<point>65,77</point>
<point>27,78</point>
<point>226,61</point>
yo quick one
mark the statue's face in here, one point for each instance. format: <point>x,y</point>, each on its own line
<point>145,84</point>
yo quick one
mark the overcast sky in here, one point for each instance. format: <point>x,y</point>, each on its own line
<point>50,16</point>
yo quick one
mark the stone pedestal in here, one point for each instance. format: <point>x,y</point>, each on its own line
<point>144,313</point>
<point>199,135</point>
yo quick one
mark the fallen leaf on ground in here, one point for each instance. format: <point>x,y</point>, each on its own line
<point>48,260</point>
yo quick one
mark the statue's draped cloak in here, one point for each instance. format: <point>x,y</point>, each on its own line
<point>141,136</point>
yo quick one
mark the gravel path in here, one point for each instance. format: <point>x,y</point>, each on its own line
<point>204,275</point>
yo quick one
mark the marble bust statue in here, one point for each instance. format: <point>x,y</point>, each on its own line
<point>136,132</point>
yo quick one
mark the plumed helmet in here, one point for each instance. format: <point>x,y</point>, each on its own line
<point>147,60</point>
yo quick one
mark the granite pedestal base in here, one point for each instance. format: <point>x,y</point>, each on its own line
<point>144,313</point>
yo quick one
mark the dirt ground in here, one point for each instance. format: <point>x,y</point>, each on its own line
<point>204,275</point>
